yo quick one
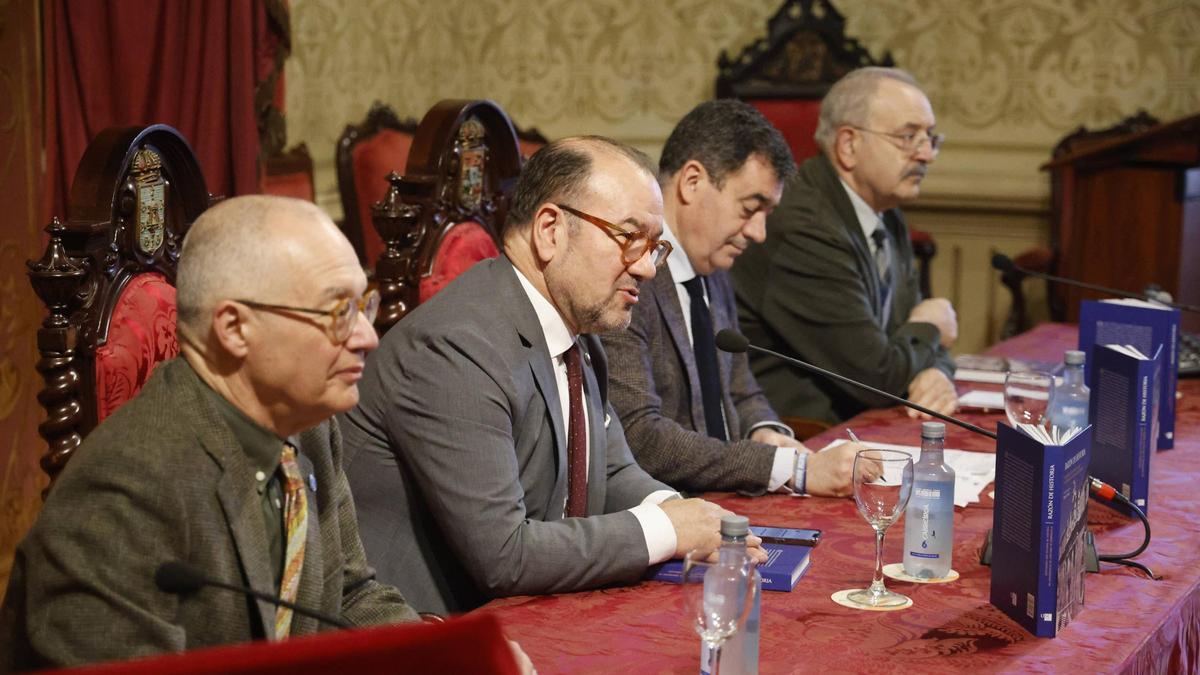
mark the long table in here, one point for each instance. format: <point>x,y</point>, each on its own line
<point>1129,623</point>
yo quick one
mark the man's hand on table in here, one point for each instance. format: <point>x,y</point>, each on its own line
<point>831,473</point>
<point>934,390</point>
<point>697,526</point>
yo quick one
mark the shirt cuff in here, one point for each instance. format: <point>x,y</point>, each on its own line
<point>656,527</point>
<point>777,426</point>
<point>782,469</point>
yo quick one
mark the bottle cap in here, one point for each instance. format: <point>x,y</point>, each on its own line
<point>1074,357</point>
<point>735,526</point>
<point>933,430</point>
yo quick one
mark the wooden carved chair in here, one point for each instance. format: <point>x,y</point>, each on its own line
<point>107,278</point>
<point>1045,258</point>
<point>366,153</point>
<point>289,174</point>
<point>786,74</point>
<point>445,212</point>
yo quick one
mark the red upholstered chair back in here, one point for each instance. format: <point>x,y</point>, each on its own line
<point>445,213</point>
<point>288,175</point>
<point>796,120</point>
<point>366,154</point>
<point>787,73</point>
<point>107,278</point>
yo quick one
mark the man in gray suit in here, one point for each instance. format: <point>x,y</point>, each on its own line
<point>192,468</point>
<point>484,432</point>
<point>835,282</point>
<point>694,416</point>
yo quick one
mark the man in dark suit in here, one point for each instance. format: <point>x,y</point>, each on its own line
<point>694,416</point>
<point>484,432</point>
<point>835,283</point>
<point>226,460</point>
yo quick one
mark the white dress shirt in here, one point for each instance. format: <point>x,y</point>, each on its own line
<point>657,529</point>
<point>681,270</point>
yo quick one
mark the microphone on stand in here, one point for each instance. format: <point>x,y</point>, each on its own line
<point>729,340</point>
<point>176,576</point>
<point>1004,263</point>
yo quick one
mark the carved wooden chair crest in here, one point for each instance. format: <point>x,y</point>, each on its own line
<point>107,278</point>
<point>787,73</point>
<point>445,213</point>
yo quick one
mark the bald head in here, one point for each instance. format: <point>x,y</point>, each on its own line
<point>560,172</point>
<point>246,247</point>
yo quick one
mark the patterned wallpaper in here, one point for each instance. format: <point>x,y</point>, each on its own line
<point>21,480</point>
<point>1007,77</point>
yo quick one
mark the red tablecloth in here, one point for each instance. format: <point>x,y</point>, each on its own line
<point>1129,624</point>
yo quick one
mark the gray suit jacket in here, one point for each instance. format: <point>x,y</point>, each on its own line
<point>163,479</point>
<point>656,391</point>
<point>458,444</point>
<point>811,290</point>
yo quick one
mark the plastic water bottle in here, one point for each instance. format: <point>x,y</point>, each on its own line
<point>1069,403</point>
<point>739,654</point>
<point>929,519</point>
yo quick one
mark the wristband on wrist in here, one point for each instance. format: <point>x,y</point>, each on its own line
<point>800,474</point>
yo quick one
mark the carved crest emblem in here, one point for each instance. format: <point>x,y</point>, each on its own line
<point>472,153</point>
<point>151,200</point>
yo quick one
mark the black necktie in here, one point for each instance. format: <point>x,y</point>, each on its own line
<point>704,347</point>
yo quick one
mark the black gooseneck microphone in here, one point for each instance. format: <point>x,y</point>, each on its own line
<point>732,341</point>
<point>176,576</point>
<point>729,340</point>
<point>1003,263</point>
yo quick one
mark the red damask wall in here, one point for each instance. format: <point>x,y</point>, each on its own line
<point>21,481</point>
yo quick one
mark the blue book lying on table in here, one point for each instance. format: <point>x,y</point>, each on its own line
<point>784,566</point>
<point>1124,414</point>
<point>1145,326</point>
<point>1038,525</point>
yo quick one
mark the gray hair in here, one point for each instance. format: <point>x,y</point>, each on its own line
<point>849,101</point>
<point>232,252</point>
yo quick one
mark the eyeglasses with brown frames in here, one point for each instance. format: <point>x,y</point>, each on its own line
<point>633,244</point>
<point>341,315</point>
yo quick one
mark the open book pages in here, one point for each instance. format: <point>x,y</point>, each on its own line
<point>1130,350</point>
<point>1134,302</point>
<point>1049,436</point>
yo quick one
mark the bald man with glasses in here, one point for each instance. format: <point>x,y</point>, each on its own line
<point>485,432</point>
<point>226,460</point>
<point>835,282</point>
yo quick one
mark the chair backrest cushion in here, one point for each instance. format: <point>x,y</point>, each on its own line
<point>465,244</point>
<point>141,333</point>
<point>796,119</point>
<point>374,158</point>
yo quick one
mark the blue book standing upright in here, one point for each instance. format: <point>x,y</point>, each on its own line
<point>1124,412</point>
<point>1038,525</point>
<point>1145,326</point>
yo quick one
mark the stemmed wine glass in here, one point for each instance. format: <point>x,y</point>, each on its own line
<point>1027,397</point>
<point>718,598</point>
<point>882,484</point>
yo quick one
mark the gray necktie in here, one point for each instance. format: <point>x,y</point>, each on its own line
<point>883,263</point>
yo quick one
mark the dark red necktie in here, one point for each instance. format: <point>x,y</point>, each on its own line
<point>576,437</point>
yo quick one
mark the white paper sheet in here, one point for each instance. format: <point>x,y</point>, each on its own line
<point>983,400</point>
<point>972,470</point>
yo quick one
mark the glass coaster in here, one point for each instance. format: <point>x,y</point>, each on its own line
<point>896,571</point>
<point>841,598</point>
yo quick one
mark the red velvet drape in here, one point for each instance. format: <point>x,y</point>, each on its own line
<point>193,64</point>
